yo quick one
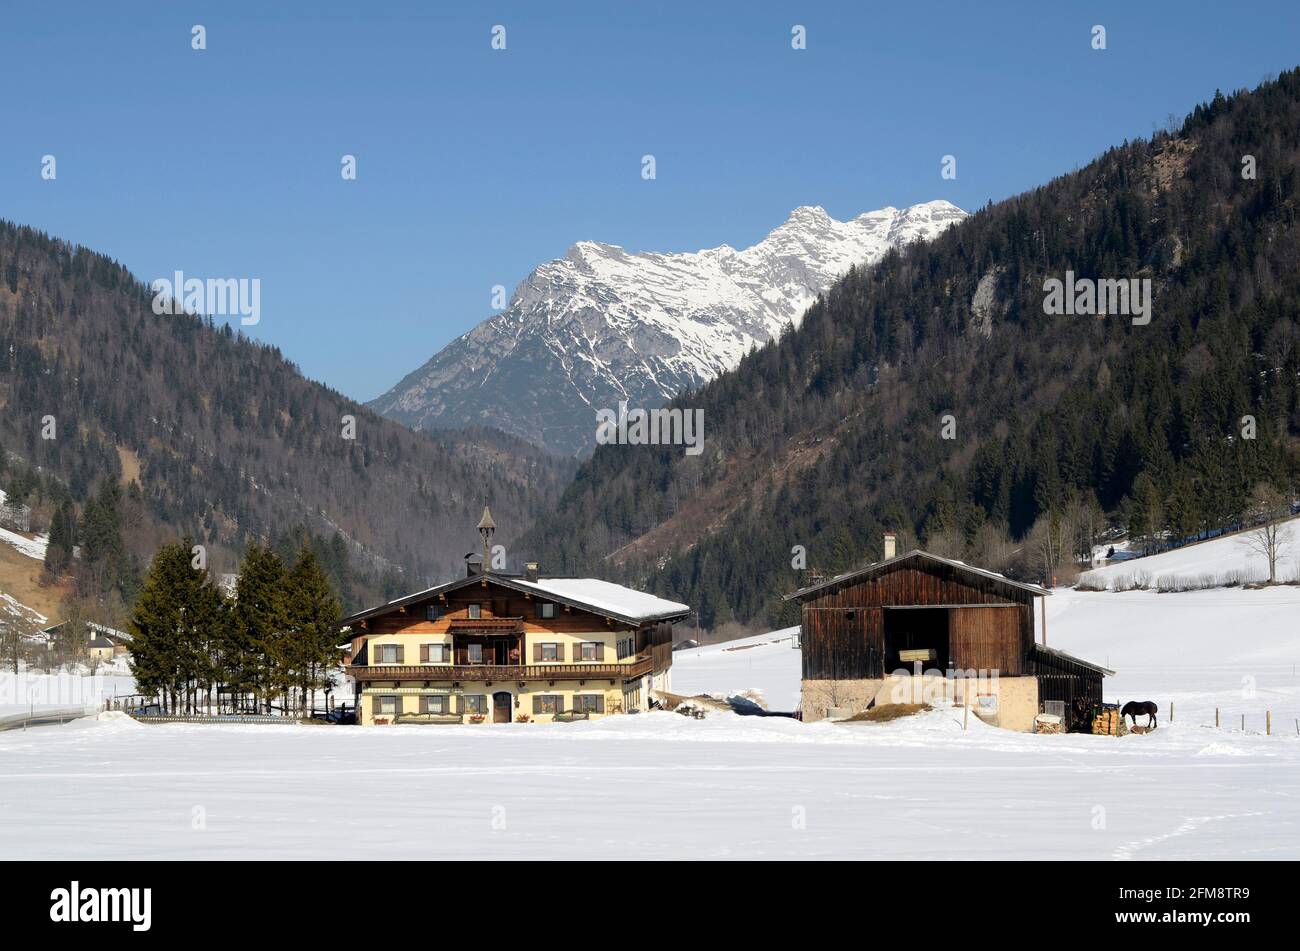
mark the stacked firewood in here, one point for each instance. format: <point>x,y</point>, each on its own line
<point>1107,722</point>
<point>1048,724</point>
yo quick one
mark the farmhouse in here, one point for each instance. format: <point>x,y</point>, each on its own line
<point>103,643</point>
<point>495,648</point>
<point>867,633</point>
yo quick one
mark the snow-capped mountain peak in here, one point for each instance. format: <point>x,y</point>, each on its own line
<point>602,324</point>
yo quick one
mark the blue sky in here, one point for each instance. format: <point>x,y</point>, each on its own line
<point>475,165</point>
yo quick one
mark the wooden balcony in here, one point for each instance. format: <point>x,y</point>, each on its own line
<point>627,669</point>
<point>487,625</point>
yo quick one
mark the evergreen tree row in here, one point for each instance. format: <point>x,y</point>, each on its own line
<point>271,645</point>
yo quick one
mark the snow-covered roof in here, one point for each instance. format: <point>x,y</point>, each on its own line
<point>591,594</point>
<point>606,596</point>
<point>918,554</point>
<point>95,628</point>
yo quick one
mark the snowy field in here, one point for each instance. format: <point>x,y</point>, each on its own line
<point>652,785</point>
<point>767,663</point>
<point>33,546</point>
<point>1218,561</point>
<point>661,785</point>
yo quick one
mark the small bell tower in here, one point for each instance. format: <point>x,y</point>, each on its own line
<point>487,528</point>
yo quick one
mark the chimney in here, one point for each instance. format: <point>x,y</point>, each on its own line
<point>530,571</point>
<point>891,545</point>
<point>473,567</point>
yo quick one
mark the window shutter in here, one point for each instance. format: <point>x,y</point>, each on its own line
<point>537,703</point>
<point>401,654</point>
<point>600,652</point>
<point>537,651</point>
<point>424,653</point>
<point>600,703</point>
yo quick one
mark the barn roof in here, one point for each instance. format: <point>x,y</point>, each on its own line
<point>1054,652</point>
<point>916,554</point>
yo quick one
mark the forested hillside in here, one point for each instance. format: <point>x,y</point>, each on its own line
<point>835,432</point>
<point>213,435</point>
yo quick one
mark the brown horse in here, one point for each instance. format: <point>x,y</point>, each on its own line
<point>1135,707</point>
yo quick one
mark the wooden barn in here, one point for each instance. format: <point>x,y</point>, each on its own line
<point>971,631</point>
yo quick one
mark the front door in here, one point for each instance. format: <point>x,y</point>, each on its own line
<point>502,705</point>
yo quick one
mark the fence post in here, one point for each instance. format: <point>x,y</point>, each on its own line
<point>1243,723</point>
<point>1171,711</point>
<point>1216,718</point>
<point>1268,722</point>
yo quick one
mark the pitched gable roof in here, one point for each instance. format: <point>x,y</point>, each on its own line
<point>586,594</point>
<point>922,557</point>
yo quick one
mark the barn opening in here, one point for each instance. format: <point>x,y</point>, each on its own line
<point>915,635</point>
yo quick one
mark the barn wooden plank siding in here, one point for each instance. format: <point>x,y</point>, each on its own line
<point>991,621</point>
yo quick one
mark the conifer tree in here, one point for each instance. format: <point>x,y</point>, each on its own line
<point>63,525</point>
<point>255,643</point>
<point>313,613</point>
<point>174,625</point>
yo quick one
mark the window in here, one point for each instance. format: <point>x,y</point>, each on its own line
<point>475,704</point>
<point>385,706</point>
<point>625,648</point>
<point>434,654</point>
<point>436,705</point>
<point>547,703</point>
<point>545,609</point>
<point>592,651</point>
<point>589,703</point>
<point>476,611</point>
<point>474,653</point>
<point>550,651</point>
<point>433,612</point>
<point>388,653</point>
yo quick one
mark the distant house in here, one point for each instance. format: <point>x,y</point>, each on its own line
<point>866,632</point>
<point>104,642</point>
<point>494,647</point>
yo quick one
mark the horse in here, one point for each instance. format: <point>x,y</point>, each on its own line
<point>1134,707</point>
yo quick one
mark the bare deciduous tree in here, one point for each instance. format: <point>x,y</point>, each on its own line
<point>1271,537</point>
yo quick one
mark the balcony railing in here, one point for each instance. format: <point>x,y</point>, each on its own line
<point>632,667</point>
